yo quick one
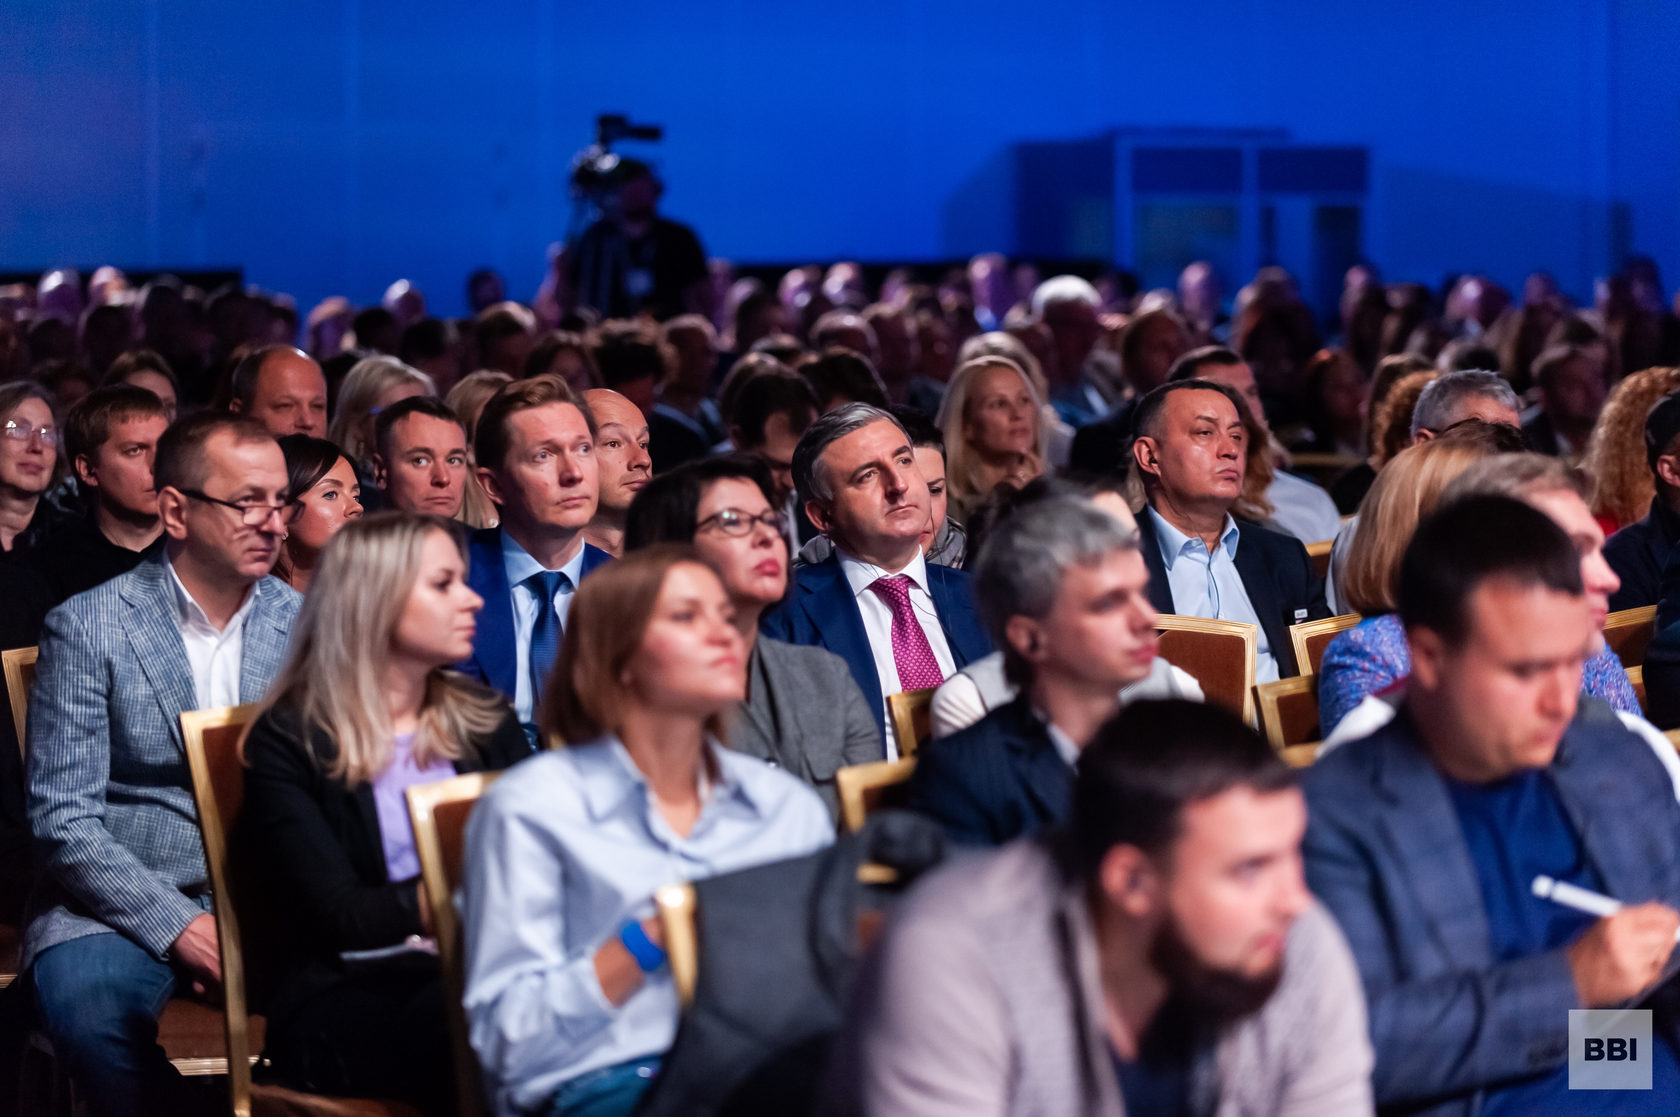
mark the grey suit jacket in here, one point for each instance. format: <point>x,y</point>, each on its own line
<point>110,801</point>
<point>983,999</point>
<point>804,712</point>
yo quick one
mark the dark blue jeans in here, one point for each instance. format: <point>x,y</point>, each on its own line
<point>609,1092</point>
<point>99,999</point>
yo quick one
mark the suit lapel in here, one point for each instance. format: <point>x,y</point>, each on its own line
<point>593,557</point>
<point>1263,596</point>
<point>153,634</point>
<point>1160,590</point>
<point>833,612</point>
<point>1041,770</point>
<point>963,634</point>
<point>1423,833</point>
<point>1590,794</point>
<point>264,642</point>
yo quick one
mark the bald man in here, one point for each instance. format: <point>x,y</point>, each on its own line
<point>621,448</point>
<point>283,389</point>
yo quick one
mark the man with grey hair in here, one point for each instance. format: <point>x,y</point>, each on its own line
<point>1068,306</point>
<point>1457,396</point>
<point>1064,592</point>
<point>899,622</point>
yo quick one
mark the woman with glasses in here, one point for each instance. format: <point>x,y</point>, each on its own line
<point>29,464</point>
<point>803,711</point>
<point>326,495</point>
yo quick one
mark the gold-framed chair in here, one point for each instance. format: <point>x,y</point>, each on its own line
<point>675,905</point>
<point>1310,638</point>
<point>1319,553</point>
<point>866,788</point>
<point>1219,654</point>
<point>1629,632</point>
<point>438,813</point>
<point>911,712</point>
<point>218,779</point>
<point>1289,717</point>
<point>19,667</point>
<point>1636,679</point>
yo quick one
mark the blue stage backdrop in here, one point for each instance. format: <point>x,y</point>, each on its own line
<point>330,146</point>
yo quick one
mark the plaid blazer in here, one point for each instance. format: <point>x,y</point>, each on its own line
<point>117,845</point>
<point>1385,853</point>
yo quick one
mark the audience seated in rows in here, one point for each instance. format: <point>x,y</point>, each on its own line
<point>1110,969</point>
<point>363,710</point>
<point>899,622</point>
<point>1191,449</point>
<point>1425,839</point>
<point>568,995</point>
<point>803,711</point>
<point>120,919</point>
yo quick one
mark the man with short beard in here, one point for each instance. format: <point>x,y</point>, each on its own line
<point>1162,957</point>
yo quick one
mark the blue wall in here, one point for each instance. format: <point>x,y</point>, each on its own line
<point>329,147</point>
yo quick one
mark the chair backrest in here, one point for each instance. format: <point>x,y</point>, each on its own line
<point>675,904</point>
<point>218,779</point>
<point>1289,711</point>
<point>1219,654</point>
<point>1319,553</point>
<point>912,718</point>
<point>1310,638</point>
<point>866,788</point>
<point>1636,679</point>
<point>19,667</point>
<point>438,812</point>
<point>1628,631</point>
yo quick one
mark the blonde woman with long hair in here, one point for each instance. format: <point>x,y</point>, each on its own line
<point>372,384</point>
<point>365,708</point>
<point>994,431</point>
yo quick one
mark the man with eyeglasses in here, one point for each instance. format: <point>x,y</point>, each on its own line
<point>120,920</point>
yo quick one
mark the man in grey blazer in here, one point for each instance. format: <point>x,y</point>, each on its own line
<point>1163,956</point>
<point>1426,838</point>
<point>121,909</point>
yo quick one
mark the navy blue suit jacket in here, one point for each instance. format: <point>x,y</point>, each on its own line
<point>996,780</point>
<point>820,610</point>
<point>495,658</point>
<point>1276,572</point>
<point>1385,853</point>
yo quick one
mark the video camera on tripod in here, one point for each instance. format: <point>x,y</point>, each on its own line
<point>597,171</point>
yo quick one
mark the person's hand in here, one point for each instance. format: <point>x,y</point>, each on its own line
<point>1623,954</point>
<point>197,950</point>
<point>654,930</point>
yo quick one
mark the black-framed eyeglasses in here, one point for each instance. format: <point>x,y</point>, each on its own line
<point>252,513</point>
<point>23,431</point>
<point>733,521</point>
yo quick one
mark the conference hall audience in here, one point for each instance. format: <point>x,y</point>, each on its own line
<point>686,423</point>
<point>1616,457</point>
<point>325,496</point>
<point>1426,839</point>
<point>1107,970</point>
<point>422,460</point>
<point>566,355</point>
<point>282,388</point>
<point>30,464</point>
<point>803,711</point>
<point>569,998</point>
<point>1191,451</point>
<point>536,460</point>
<point>364,709</point>
<point>120,918</point>
<point>372,385</point>
<point>632,361</point>
<point>993,431</point>
<point>900,622</point>
<point>1063,590</point>
<point>622,454</point>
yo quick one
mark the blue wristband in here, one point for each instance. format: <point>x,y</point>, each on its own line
<point>648,956</point>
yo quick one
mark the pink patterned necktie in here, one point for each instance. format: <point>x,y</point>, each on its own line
<point>917,667</point>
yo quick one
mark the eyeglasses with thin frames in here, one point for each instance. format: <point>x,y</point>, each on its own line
<point>23,431</point>
<point>733,521</point>
<point>251,512</point>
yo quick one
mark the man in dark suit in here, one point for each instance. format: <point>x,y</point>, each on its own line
<point>899,622</point>
<point>1065,594</point>
<point>536,459</point>
<point>1427,840</point>
<point>120,917</point>
<point>1191,452</point>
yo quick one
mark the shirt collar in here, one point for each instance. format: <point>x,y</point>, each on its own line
<point>609,778</point>
<point>189,611</point>
<point>861,575</point>
<point>520,565</point>
<point>1173,542</point>
<point>1065,748</point>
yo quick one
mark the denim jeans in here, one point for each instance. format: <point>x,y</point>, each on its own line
<point>99,998</point>
<point>608,1092</point>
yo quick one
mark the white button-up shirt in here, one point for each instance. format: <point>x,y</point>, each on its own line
<point>214,655</point>
<point>1208,585</point>
<point>877,623</point>
<point>519,566</point>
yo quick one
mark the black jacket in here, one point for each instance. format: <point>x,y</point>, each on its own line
<point>1275,571</point>
<point>315,845</point>
<point>996,780</point>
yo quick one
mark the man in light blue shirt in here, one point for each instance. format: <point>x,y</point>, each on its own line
<point>1206,583</point>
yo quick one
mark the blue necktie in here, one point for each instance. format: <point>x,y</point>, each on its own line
<point>545,635</point>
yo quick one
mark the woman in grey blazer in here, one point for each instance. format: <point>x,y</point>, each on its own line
<point>803,710</point>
